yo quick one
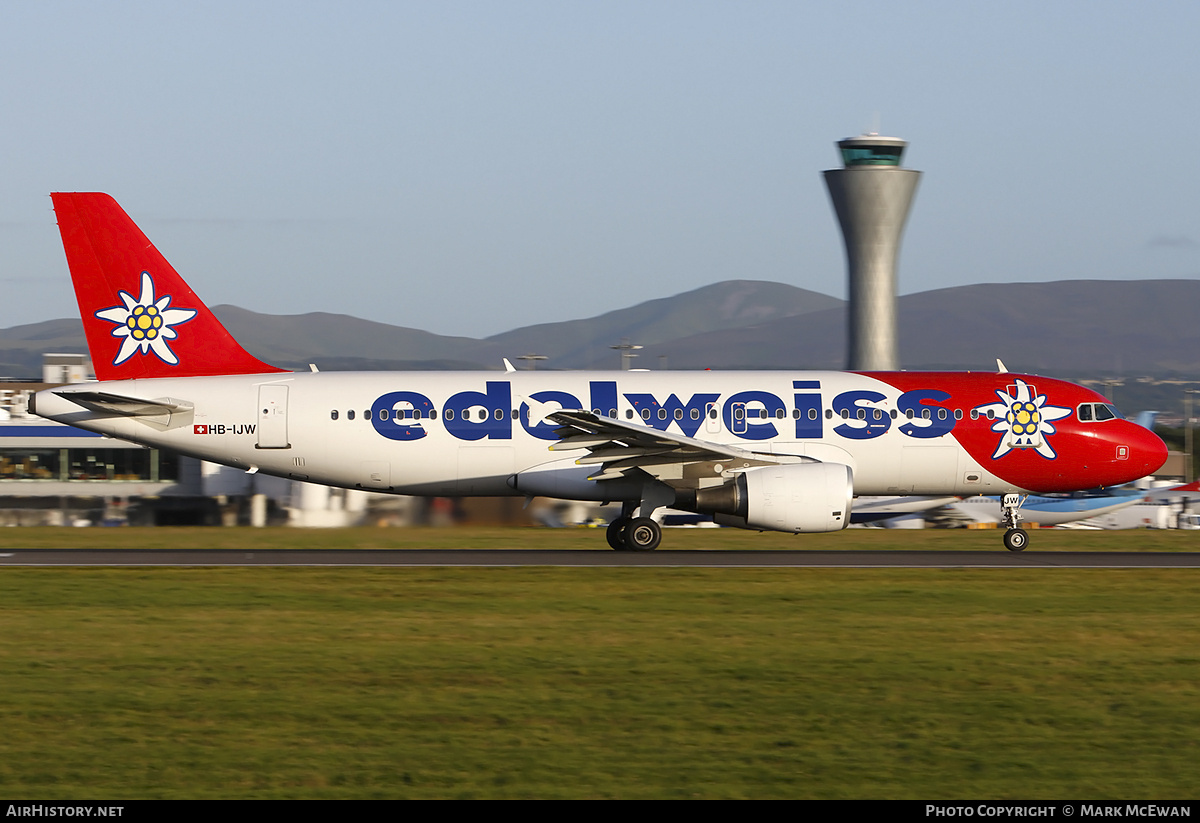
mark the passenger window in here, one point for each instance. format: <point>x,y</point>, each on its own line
<point>662,414</point>
<point>679,414</point>
<point>779,414</point>
<point>449,415</point>
<point>433,414</point>
<point>739,413</point>
<point>812,414</point>
<point>925,414</point>
<point>645,414</point>
<point>958,414</point>
<point>941,414</point>
<point>629,414</point>
<point>612,412</point>
<point>333,415</point>
<point>350,414</point>
<point>695,414</point>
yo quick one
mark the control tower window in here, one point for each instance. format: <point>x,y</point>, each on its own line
<point>872,155</point>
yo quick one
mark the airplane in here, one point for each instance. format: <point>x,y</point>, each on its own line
<point>784,451</point>
<point>873,509</point>
<point>1184,493</point>
<point>1163,507</point>
<point>1040,509</point>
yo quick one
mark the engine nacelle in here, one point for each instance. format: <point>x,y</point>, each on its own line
<point>793,497</point>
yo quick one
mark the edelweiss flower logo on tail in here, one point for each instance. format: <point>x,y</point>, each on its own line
<point>1024,420</point>
<point>145,324</point>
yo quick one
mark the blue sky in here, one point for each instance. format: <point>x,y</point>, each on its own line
<point>468,168</point>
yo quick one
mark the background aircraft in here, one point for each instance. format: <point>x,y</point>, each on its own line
<point>1040,509</point>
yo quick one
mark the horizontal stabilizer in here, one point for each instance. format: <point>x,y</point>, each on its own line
<point>126,406</point>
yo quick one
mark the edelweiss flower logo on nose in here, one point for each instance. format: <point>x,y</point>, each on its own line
<point>145,324</point>
<point>1024,420</point>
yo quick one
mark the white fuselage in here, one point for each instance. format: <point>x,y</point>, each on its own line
<point>478,429</point>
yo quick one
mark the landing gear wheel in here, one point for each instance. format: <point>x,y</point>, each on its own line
<point>1015,540</point>
<point>616,534</point>
<point>642,535</point>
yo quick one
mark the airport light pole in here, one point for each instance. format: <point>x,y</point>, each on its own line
<point>1187,432</point>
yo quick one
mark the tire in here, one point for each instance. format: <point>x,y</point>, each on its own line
<point>1015,540</point>
<point>642,535</point>
<point>616,534</point>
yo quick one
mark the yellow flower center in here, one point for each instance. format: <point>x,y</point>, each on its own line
<point>144,322</point>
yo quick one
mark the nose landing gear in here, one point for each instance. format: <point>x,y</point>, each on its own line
<point>1015,538</point>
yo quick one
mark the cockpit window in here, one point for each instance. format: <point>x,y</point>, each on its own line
<point>1095,412</point>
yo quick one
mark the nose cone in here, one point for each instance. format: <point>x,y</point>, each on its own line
<point>1139,452</point>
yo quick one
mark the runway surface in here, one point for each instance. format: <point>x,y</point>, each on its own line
<point>606,558</point>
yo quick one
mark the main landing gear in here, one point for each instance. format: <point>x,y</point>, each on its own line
<point>1015,538</point>
<point>633,534</point>
<point>636,534</point>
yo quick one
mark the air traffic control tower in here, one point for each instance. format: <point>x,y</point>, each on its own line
<point>872,195</point>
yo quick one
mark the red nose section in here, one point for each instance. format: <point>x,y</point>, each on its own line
<point>1141,450</point>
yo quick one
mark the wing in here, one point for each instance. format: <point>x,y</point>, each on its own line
<point>619,448</point>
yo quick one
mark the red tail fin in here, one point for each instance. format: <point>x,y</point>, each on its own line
<point>141,319</point>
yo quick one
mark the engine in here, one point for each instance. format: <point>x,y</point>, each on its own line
<point>793,497</point>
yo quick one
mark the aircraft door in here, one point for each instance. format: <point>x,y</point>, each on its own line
<point>712,418</point>
<point>928,469</point>
<point>1025,427</point>
<point>272,417</point>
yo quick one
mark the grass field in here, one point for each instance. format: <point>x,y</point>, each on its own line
<point>543,682</point>
<point>539,538</point>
